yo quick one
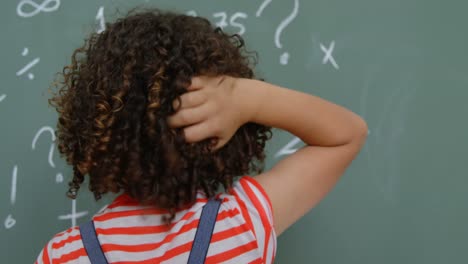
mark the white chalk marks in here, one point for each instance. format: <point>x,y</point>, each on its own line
<point>45,129</point>
<point>223,22</point>
<point>52,145</point>
<point>288,148</point>
<point>2,97</point>
<point>73,215</point>
<point>264,4</point>
<point>10,221</point>
<point>28,66</point>
<point>284,57</point>
<point>14,176</point>
<point>29,8</point>
<point>328,55</point>
<point>101,21</point>
<point>383,149</point>
<point>191,13</point>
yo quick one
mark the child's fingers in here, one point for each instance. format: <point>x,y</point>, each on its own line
<point>218,144</point>
<point>190,99</point>
<point>196,83</point>
<point>198,132</point>
<point>186,117</point>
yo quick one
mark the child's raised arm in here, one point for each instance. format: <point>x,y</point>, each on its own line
<point>217,106</point>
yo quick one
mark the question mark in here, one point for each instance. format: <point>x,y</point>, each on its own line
<point>59,176</point>
<point>262,6</point>
<point>284,58</point>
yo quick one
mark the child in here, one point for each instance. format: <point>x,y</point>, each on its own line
<point>165,109</point>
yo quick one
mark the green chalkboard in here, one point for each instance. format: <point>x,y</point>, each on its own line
<point>400,64</point>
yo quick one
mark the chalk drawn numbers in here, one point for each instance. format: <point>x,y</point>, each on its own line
<point>10,221</point>
<point>28,66</point>
<point>30,8</point>
<point>223,20</point>
<point>234,22</point>
<point>14,177</point>
<point>100,19</point>
<point>328,55</point>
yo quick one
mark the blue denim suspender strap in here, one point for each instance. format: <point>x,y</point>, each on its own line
<point>91,243</point>
<point>205,229</point>
<point>200,244</point>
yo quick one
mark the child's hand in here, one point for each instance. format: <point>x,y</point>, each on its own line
<point>210,109</point>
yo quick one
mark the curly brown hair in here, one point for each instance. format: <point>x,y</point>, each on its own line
<point>115,96</point>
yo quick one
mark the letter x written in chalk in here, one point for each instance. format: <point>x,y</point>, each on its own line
<point>328,57</point>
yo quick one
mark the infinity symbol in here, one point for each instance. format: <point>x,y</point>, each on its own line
<point>46,6</point>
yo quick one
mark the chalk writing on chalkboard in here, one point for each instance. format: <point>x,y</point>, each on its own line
<point>284,57</point>
<point>288,148</point>
<point>262,6</point>
<point>223,20</point>
<point>29,8</point>
<point>233,20</point>
<point>13,185</point>
<point>191,13</point>
<point>58,176</point>
<point>28,66</point>
<point>73,215</point>
<point>328,55</point>
<point>10,221</point>
<point>100,19</point>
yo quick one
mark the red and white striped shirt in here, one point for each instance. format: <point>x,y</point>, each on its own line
<point>132,233</point>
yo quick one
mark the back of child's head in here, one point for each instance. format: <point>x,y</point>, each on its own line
<point>117,94</point>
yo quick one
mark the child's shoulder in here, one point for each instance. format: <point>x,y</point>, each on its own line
<point>253,201</point>
<point>248,189</point>
<point>63,247</point>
